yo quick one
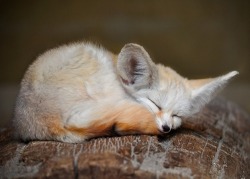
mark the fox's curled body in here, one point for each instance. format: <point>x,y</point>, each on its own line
<point>80,91</point>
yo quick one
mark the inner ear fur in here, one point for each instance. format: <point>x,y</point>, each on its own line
<point>204,90</point>
<point>135,67</point>
<point>195,84</point>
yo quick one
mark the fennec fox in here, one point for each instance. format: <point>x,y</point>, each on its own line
<point>80,91</point>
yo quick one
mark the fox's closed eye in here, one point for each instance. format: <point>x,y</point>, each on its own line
<point>155,104</point>
<point>176,115</point>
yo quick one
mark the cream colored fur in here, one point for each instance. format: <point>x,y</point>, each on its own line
<point>78,84</point>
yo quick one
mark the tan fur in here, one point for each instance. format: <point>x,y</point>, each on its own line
<point>135,119</point>
<point>159,114</point>
<point>55,126</point>
<point>198,83</point>
<point>126,119</point>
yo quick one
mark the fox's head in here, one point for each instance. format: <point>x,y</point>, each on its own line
<point>169,96</point>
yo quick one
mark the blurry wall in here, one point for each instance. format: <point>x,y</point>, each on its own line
<point>196,38</point>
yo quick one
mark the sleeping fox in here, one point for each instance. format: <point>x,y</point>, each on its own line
<point>81,91</point>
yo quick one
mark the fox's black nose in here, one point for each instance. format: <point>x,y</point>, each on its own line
<point>166,128</point>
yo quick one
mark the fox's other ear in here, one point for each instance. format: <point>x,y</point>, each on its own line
<point>135,67</point>
<point>204,90</point>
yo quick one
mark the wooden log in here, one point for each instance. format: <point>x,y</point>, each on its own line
<point>212,144</point>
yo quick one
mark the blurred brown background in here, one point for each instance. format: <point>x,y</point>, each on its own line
<point>196,38</point>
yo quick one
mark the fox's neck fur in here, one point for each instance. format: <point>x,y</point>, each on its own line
<point>81,90</point>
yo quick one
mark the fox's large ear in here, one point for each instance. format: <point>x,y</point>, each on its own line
<point>205,89</point>
<point>135,67</point>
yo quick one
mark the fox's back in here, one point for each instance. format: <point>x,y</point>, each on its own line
<point>69,63</point>
<point>60,79</point>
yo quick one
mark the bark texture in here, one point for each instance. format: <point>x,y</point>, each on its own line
<point>212,144</point>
